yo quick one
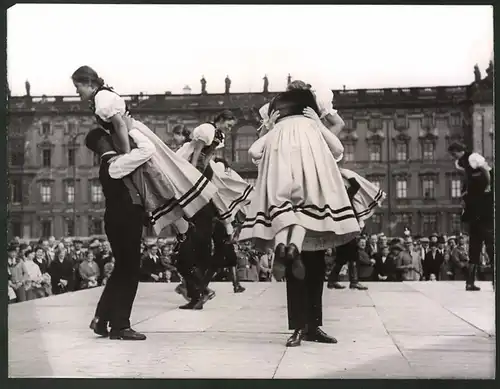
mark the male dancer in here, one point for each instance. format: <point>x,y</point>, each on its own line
<point>123,222</point>
<point>347,253</point>
<point>478,210</point>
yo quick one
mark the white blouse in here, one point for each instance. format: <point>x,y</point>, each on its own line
<point>476,161</point>
<point>108,104</point>
<point>204,132</point>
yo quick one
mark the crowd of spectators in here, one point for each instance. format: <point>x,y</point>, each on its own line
<point>45,267</point>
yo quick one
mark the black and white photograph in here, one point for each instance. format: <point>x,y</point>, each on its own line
<point>250,191</point>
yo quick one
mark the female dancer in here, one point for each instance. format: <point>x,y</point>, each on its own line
<point>169,186</point>
<point>300,197</point>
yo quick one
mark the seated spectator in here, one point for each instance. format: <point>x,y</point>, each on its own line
<point>102,257</point>
<point>108,270</point>
<point>61,272</point>
<point>41,259</point>
<point>34,280</point>
<point>89,271</point>
<point>247,264</point>
<point>152,269</point>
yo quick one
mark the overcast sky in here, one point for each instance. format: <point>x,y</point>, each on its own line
<point>158,48</point>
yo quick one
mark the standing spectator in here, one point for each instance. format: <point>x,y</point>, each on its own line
<point>61,273</point>
<point>382,240</point>
<point>372,247</point>
<point>103,257</point>
<point>424,242</point>
<point>266,265</point>
<point>41,259</point>
<point>77,257</point>
<point>408,263</point>
<point>17,274</point>
<point>151,267</point>
<point>441,244</point>
<point>432,262</point>
<point>446,267</point>
<point>365,262</point>
<point>459,260</point>
<point>89,272</point>
<point>384,265</point>
<point>34,279</point>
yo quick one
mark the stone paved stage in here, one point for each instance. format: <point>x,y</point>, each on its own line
<point>393,330</point>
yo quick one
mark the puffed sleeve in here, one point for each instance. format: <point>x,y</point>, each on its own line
<point>108,104</point>
<point>477,161</point>
<point>324,98</point>
<point>204,132</point>
<point>263,112</point>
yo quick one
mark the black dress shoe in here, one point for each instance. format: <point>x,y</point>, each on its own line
<point>295,339</point>
<point>194,305</point>
<point>335,285</point>
<point>238,289</point>
<point>126,334</point>
<point>279,265</point>
<point>320,336</point>
<point>99,327</point>
<point>209,293</point>
<point>293,256</point>
<point>358,286</point>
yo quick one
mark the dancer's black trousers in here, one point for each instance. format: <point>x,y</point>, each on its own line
<point>124,231</point>
<point>304,297</point>
<point>481,226</point>
<point>347,253</point>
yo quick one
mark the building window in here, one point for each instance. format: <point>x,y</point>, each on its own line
<point>45,128</point>
<point>71,156</point>
<point>46,228</point>
<point>428,151</point>
<point>456,188</point>
<point>375,123</point>
<point>428,188</point>
<point>95,227</point>
<point>46,192</point>
<point>16,228</point>
<point>375,151</point>
<point>47,158</point>
<point>402,151</point>
<point>16,148</point>
<point>245,137</point>
<point>403,220</point>
<point>348,152</point>
<point>455,223</point>
<point>16,191</point>
<point>96,192</point>
<point>429,223</point>
<point>427,122</point>
<point>401,188</point>
<point>70,192</point>
<point>96,159</point>
<point>400,122</point>
<point>375,224</point>
<point>455,120</point>
<point>71,128</point>
<point>70,227</point>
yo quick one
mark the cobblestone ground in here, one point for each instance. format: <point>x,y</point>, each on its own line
<point>393,330</point>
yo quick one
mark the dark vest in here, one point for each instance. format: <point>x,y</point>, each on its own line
<point>119,196</point>
<point>475,180</point>
<point>293,102</point>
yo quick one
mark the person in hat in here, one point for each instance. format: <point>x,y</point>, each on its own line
<point>408,262</point>
<point>432,262</point>
<point>478,211</point>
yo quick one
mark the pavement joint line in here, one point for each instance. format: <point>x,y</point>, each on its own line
<point>279,363</point>
<point>389,334</point>
<point>454,314</point>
